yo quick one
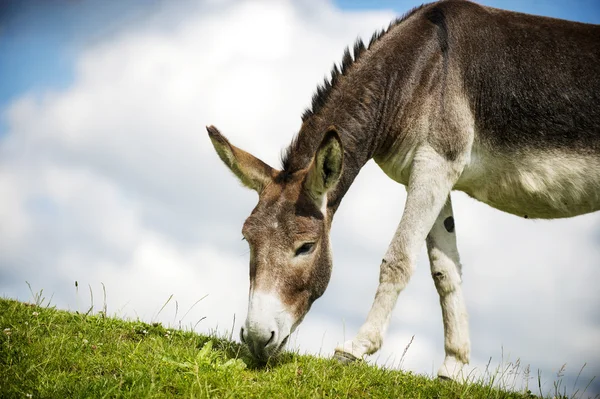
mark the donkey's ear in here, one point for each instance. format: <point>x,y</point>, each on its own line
<point>252,172</point>
<point>326,167</point>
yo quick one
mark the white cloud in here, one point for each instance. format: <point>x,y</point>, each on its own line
<point>114,181</point>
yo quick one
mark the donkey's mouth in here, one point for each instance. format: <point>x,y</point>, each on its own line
<point>264,355</point>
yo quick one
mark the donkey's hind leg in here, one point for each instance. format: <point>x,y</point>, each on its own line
<point>446,273</point>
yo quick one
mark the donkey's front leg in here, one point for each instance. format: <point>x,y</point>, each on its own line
<point>431,179</point>
<point>446,273</point>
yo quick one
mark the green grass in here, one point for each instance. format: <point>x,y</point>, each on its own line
<point>47,353</point>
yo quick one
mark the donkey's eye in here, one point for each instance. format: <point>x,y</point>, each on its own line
<point>306,248</point>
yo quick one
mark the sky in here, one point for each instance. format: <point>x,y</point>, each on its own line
<point>107,178</point>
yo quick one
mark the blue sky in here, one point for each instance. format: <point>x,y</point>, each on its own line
<point>107,173</point>
<point>576,10</point>
<point>39,39</point>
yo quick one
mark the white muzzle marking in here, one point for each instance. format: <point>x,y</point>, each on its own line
<point>267,326</point>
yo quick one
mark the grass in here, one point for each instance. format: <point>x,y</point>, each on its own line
<point>48,353</point>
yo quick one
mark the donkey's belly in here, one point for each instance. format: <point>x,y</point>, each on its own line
<point>543,185</point>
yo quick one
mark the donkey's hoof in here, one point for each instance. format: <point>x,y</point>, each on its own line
<point>344,357</point>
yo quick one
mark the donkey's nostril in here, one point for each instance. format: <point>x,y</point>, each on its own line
<point>242,336</point>
<point>270,339</point>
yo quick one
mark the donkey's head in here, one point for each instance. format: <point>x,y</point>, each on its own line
<point>288,234</point>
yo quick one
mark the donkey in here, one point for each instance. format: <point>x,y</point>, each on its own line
<point>501,105</point>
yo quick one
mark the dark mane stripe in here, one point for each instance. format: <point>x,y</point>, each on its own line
<point>323,91</point>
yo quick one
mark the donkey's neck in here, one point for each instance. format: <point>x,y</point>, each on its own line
<point>362,101</point>
<point>354,108</point>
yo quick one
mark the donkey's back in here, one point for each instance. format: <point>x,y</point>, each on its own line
<point>532,85</point>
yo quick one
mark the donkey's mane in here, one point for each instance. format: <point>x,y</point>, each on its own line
<point>324,90</point>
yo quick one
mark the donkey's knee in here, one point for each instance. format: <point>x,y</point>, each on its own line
<point>446,277</point>
<point>395,273</point>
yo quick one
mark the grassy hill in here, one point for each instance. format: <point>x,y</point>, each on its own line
<point>47,353</point>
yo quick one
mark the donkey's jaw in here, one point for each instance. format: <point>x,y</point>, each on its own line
<point>268,325</point>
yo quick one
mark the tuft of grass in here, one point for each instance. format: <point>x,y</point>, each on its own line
<point>48,353</point>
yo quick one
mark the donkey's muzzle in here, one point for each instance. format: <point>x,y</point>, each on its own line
<point>267,326</point>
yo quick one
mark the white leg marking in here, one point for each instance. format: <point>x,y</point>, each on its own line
<point>446,273</point>
<point>430,182</point>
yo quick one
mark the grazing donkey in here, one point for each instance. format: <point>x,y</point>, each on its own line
<point>501,105</point>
